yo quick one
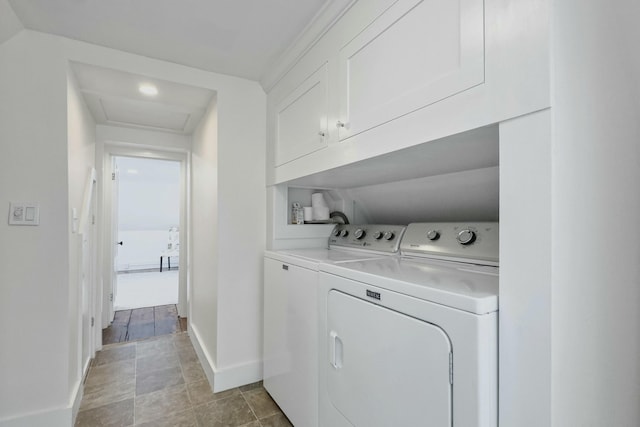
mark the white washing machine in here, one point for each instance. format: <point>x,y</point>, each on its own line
<point>412,340</point>
<point>291,315</point>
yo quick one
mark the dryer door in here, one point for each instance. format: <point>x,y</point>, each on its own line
<point>386,368</point>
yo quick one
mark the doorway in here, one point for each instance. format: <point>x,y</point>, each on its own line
<point>145,210</point>
<point>147,198</point>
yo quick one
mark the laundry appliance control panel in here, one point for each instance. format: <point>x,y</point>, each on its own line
<point>376,237</point>
<point>473,241</point>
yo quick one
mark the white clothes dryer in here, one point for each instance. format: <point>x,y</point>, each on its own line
<point>413,340</point>
<point>291,315</point>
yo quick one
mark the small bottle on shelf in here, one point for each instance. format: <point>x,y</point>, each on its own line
<point>297,213</point>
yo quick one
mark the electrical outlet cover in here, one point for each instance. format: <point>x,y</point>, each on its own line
<point>24,213</point>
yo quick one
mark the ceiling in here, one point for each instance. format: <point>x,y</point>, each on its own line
<point>236,37</point>
<point>114,99</point>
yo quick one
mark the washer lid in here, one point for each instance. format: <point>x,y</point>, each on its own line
<point>457,285</point>
<point>332,256</point>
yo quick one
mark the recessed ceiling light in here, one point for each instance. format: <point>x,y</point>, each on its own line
<point>148,89</point>
<point>132,171</point>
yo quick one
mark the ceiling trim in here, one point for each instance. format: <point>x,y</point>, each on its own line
<point>169,107</point>
<point>312,33</point>
<point>144,127</point>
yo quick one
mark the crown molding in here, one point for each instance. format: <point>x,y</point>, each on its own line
<point>319,25</point>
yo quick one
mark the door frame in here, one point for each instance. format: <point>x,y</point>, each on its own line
<point>107,247</point>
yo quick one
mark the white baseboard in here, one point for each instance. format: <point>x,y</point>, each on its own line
<point>78,393</point>
<point>225,378</point>
<point>237,375</point>
<point>203,355</point>
<point>61,417</point>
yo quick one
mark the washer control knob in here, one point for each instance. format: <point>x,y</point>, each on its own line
<point>466,237</point>
<point>336,232</point>
<point>433,235</point>
<point>389,235</point>
<point>359,233</point>
<point>377,235</point>
<point>344,233</point>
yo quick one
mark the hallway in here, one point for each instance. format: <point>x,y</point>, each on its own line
<point>159,382</point>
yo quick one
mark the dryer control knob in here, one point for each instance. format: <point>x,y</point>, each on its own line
<point>466,237</point>
<point>433,235</point>
<point>389,235</point>
<point>359,233</point>
<point>377,235</point>
<point>336,232</point>
<point>344,233</point>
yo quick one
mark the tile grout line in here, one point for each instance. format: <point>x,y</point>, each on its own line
<point>135,376</point>
<point>126,335</point>
<point>186,385</point>
<point>250,407</point>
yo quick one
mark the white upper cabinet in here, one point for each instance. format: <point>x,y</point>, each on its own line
<point>416,53</point>
<point>385,75</point>
<point>301,119</point>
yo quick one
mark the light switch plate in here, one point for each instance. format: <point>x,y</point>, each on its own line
<point>24,213</point>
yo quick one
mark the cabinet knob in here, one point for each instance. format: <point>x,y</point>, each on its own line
<point>321,133</point>
<point>341,124</point>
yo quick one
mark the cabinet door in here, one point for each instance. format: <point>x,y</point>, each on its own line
<point>417,53</point>
<point>291,340</point>
<point>301,119</point>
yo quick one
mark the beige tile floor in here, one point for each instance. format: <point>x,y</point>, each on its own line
<point>159,382</point>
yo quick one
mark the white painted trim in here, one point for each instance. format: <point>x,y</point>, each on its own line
<point>60,417</point>
<point>238,375</point>
<point>318,27</point>
<point>203,355</point>
<point>86,201</point>
<point>77,396</point>
<point>225,379</point>
<point>117,135</point>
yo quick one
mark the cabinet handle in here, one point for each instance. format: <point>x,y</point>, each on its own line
<point>341,124</point>
<point>321,133</point>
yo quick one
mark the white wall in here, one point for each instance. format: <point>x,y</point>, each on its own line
<point>228,237</point>
<point>459,196</point>
<point>34,261</point>
<point>204,244</point>
<point>596,207</point>
<point>242,222</point>
<point>141,249</point>
<point>148,194</point>
<point>525,271</point>
<point>81,130</point>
